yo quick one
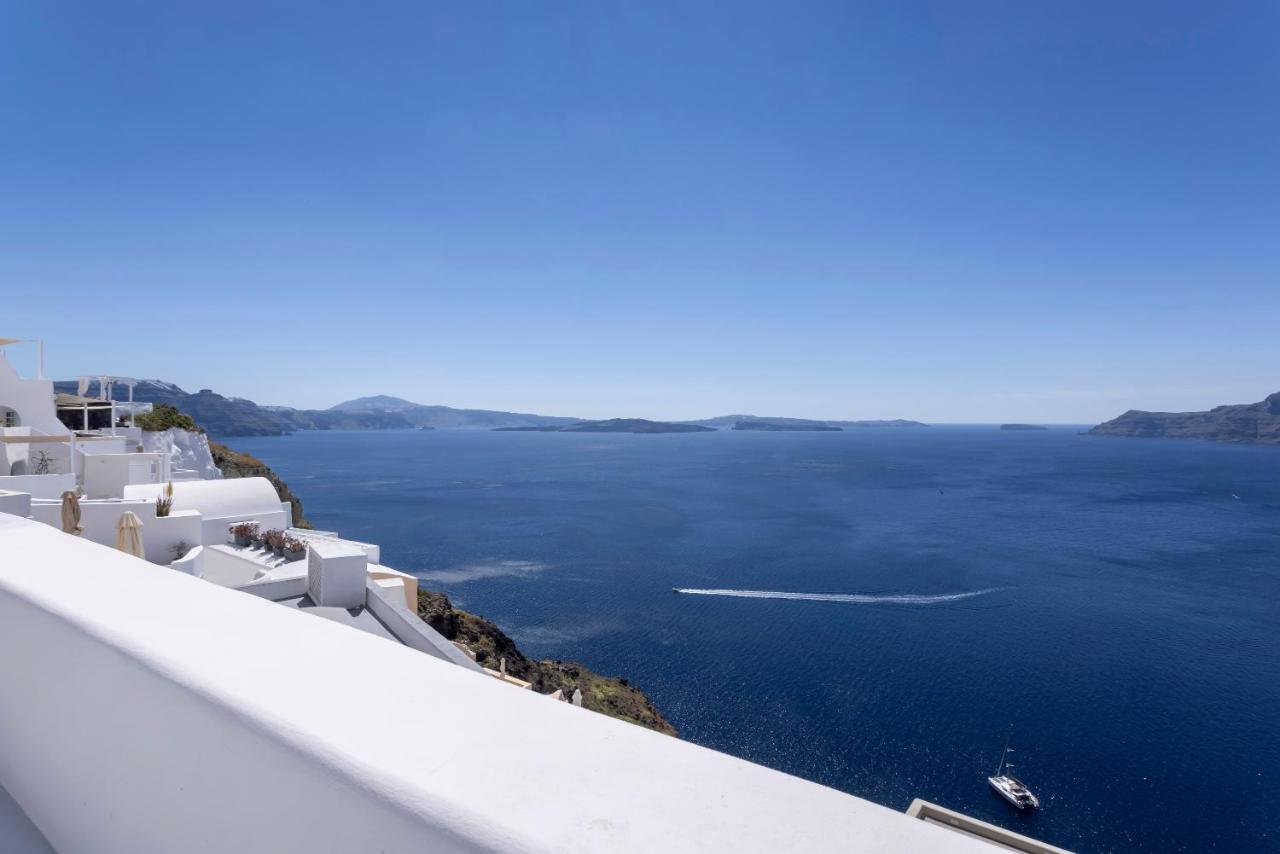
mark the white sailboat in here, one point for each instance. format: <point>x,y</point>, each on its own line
<point>1010,787</point>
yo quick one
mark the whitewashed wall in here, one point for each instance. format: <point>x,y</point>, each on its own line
<point>31,399</point>
<point>39,485</point>
<point>106,475</point>
<point>100,520</point>
<point>185,450</point>
<point>221,502</point>
<point>153,712</point>
<point>15,503</point>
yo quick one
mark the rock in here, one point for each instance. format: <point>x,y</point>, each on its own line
<point>605,694</point>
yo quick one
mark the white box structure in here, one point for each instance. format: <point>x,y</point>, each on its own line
<point>336,574</point>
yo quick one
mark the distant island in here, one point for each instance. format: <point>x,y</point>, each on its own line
<point>1023,427</point>
<point>1249,423</point>
<point>612,425</point>
<point>789,425</point>
<point>729,421</point>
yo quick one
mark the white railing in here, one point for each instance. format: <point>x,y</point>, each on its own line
<point>144,710</point>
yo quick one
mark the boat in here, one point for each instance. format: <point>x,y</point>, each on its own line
<point>1010,787</point>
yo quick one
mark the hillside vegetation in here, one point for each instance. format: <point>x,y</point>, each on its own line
<point>237,464</point>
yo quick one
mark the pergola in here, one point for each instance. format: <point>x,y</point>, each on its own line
<point>64,402</point>
<point>105,399</point>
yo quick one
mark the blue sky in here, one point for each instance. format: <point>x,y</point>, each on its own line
<point>947,211</point>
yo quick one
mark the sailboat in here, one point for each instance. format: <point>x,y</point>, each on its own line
<point>1010,787</point>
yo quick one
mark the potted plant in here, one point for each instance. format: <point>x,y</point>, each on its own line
<point>294,549</point>
<point>244,533</point>
<point>276,541</point>
<point>164,502</point>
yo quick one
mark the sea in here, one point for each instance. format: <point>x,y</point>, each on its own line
<point>879,610</point>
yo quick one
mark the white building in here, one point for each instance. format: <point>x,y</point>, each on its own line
<point>217,698</point>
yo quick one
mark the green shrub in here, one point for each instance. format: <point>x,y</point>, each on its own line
<point>162,417</point>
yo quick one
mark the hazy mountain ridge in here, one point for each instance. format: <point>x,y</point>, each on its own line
<point>1250,423</point>
<point>374,402</point>
<point>236,416</point>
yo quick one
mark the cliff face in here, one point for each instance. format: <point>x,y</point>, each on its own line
<point>1254,423</point>
<point>605,694</point>
<point>236,464</point>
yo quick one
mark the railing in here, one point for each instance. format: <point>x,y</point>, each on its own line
<point>144,710</point>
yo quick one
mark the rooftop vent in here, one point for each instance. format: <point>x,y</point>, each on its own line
<point>336,574</point>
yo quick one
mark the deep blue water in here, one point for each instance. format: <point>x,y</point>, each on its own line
<point>1131,636</point>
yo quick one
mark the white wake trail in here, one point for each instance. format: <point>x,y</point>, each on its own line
<point>854,598</point>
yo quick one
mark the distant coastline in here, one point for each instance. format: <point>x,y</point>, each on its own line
<point>612,425</point>
<point>1244,423</point>
<point>1023,427</point>
<point>225,416</point>
<point>772,426</point>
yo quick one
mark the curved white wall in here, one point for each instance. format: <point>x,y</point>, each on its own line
<point>221,502</point>
<point>31,399</point>
<point>221,498</point>
<point>149,711</point>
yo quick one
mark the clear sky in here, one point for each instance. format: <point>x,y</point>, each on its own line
<point>952,211</point>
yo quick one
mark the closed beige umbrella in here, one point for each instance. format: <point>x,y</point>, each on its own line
<point>129,534</point>
<point>71,512</point>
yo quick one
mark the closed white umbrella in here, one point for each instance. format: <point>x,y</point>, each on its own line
<point>129,534</point>
<point>71,512</point>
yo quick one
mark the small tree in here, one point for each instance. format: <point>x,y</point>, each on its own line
<point>162,417</point>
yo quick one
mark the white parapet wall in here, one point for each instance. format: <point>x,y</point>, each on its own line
<point>192,562</point>
<point>15,503</point>
<point>144,711</point>
<point>39,485</point>
<point>163,537</point>
<point>106,475</point>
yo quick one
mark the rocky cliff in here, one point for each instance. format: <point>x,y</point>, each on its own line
<point>1256,423</point>
<point>608,695</point>
<point>236,464</point>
